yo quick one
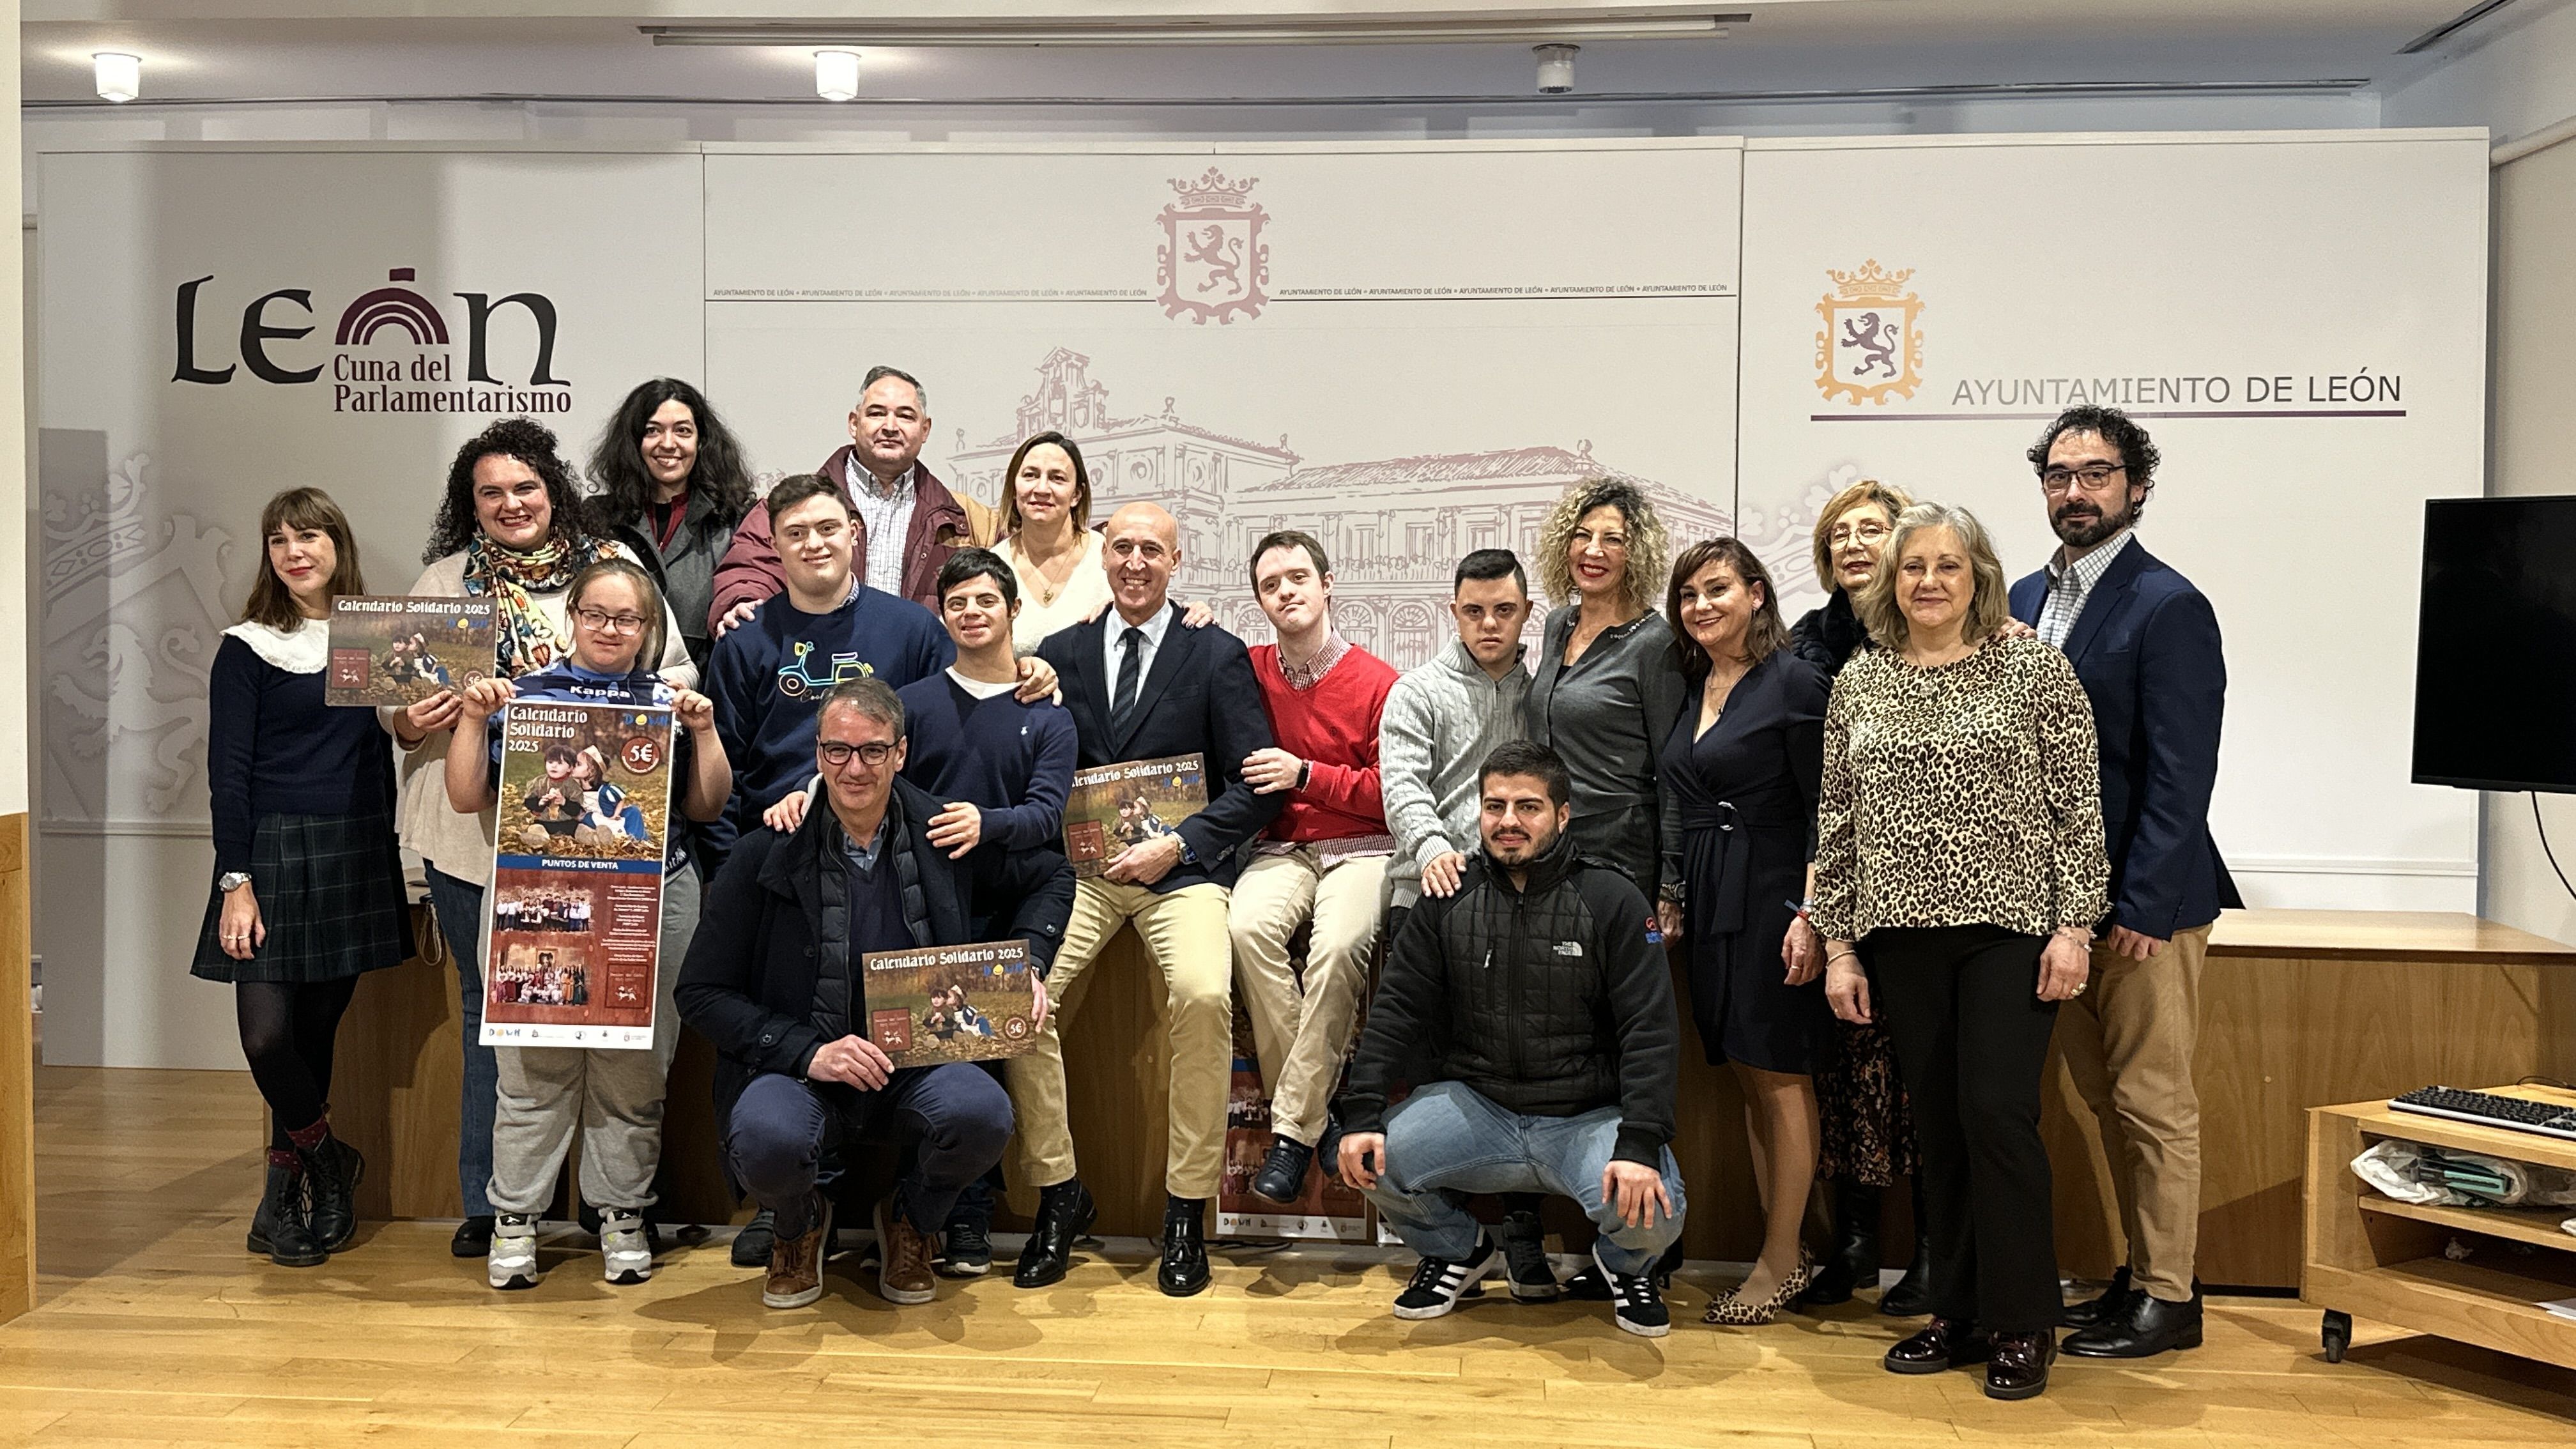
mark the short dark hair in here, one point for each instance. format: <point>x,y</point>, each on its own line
<point>560,753</point>
<point>1491,563</point>
<point>969,563</point>
<point>1287,538</point>
<point>532,443</point>
<point>1764,634</point>
<point>795,488</point>
<point>2137,451</point>
<point>880,372</point>
<point>870,696</point>
<point>1529,757</point>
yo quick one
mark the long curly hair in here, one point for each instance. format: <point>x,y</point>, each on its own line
<point>1649,550</point>
<point>626,486</point>
<point>532,443</point>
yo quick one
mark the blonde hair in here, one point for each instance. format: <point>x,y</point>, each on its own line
<point>650,643</point>
<point>1868,490</point>
<point>1649,551</point>
<point>1987,606</point>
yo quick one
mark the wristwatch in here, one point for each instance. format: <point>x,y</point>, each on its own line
<point>232,880</point>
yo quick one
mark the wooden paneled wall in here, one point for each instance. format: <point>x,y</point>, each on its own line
<point>17,1081</point>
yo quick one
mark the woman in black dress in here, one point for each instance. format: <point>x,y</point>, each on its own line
<point>1743,764</point>
<point>308,892</point>
<point>1869,1134</point>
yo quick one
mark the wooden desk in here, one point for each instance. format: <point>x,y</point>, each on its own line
<point>2301,1007</point>
<point>2298,1007</point>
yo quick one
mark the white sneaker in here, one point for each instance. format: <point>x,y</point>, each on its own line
<point>623,1244</point>
<point>512,1261</point>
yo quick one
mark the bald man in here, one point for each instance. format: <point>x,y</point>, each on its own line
<point>1141,688</point>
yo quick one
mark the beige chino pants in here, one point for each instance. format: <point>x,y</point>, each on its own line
<point>1303,1032</point>
<point>2129,1042</point>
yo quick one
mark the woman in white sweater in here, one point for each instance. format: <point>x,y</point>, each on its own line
<point>513,528</point>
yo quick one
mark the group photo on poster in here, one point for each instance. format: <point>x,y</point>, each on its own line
<point>576,899</point>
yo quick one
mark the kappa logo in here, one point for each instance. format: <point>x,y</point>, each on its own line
<point>1213,261</point>
<point>1871,347</point>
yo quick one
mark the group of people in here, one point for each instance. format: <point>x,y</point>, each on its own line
<point>1894,851</point>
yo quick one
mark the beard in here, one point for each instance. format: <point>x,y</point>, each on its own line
<point>2082,525</point>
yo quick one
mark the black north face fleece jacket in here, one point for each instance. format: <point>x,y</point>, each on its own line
<point>1547,1000</point>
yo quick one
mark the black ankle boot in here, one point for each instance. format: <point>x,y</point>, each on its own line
<point>333,1167</point>
<point>280,1228</point>
<point>1912,1295</point>
<point>1854,1259</point>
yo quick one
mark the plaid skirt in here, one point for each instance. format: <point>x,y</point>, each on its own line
<point>330,891</point>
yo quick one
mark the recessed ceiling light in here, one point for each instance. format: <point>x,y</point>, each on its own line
<point>120,76</point>
<point>836,74</point>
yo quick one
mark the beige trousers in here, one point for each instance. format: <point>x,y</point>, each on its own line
<point>1303,1032</point>
<point>2129,1041</point>
<point>1185,934</point>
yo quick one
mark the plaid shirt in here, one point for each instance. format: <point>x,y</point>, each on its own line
<point>2070,585</point>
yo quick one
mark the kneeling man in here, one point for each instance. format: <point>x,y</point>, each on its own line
<point>772,982</point>
<point>1536,1021</point>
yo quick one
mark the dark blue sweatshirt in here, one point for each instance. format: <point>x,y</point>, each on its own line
<point>768,678</point>
<point>1011,760</point>
<point>273,748</point>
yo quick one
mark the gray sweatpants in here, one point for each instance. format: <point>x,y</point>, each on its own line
<point>614,1096</point>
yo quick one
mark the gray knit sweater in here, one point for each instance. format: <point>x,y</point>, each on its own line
<point>1440,720</point>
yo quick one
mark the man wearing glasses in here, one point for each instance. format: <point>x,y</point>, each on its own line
<point>2145,643</point>
<point>772,982</point>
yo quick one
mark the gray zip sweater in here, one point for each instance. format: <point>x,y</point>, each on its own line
<point>1441,719</point>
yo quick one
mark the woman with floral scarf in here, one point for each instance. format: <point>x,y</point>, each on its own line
<point>513,528</point>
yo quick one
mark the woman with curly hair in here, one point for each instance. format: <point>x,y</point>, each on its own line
<point>1609,684</point>
<point>672,484</point>
<point>513,529</point>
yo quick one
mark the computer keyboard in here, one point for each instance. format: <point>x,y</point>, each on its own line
<point>2489,1110</point>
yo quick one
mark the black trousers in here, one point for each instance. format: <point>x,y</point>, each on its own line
<point>1971,1034</point>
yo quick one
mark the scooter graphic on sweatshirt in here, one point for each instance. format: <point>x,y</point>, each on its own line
<point>797,679</point>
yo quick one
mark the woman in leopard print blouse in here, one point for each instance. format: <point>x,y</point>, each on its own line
<point>1959,830</point>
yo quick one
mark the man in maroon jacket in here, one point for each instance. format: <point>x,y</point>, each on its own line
<point>909,523</point>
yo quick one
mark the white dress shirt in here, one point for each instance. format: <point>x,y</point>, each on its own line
<point>1113,635</point>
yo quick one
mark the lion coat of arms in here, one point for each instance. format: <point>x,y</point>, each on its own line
<point>1871,347</point>
<point>1213,259</point>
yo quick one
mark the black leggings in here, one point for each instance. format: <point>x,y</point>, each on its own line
<point>287,1028</point>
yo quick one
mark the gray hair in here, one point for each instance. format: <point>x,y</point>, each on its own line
<point>880,372</point>
<point>1987,607</point>
<point>871,697</point>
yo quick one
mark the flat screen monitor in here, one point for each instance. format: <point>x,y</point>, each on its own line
<point>2495,660</point>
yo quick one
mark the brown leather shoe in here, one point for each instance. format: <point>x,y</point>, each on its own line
<point>905,1254</point>
<point>2019,1368</point>
<point>796,1264</point>
<point>1945,1343</point>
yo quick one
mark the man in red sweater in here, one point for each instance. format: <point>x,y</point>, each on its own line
<point>1324,857</point>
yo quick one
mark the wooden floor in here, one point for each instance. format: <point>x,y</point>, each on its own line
<point>156,1328</point>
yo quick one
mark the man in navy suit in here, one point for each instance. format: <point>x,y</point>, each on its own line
<point>2145,644</point>
<point>1142,688</point>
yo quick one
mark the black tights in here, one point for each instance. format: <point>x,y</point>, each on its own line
<point>287,1028</point>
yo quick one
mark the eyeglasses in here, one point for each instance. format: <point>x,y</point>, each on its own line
<point>837,754</point>
<point>1863,533</point>
<point>2091,475</point>
<point>610,623</point>
<point>1606,542</point>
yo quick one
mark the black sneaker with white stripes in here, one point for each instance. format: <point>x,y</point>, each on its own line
<point>1532,1276</point>
<point>1636,1300</point>
<point>1440,1282</point>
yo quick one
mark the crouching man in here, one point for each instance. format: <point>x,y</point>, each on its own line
<point>1538,1023</point>
<point>772,981</point>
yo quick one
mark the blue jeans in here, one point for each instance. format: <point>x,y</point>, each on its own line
<point>1447,1142</point>
<point>460,920</point>
<point>955,1119</point>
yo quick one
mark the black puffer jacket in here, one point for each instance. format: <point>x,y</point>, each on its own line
<point>1546,1000</point>
<point>769,975</point>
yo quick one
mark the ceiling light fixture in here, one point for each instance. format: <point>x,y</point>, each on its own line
<point>120,76</point>
<point>1300,30</point>
<point>1555,68</point>
<point>836,74</point>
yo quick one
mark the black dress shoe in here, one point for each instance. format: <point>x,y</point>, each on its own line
<point>1911,1295</point>
<point>473,1237</point>
<point>2019,1367</point>
<point>2108,1306</point>
<point>758,1238</point>
<point>1065,1213</point>
<point>1944,1344</point>
<point>1854,1259</point>
<point>1283,1172</point>
<point>2151,1326</point>
<point>1185,1263</point>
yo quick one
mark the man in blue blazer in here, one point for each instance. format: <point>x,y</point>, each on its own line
<point>2145,644</point>
<point>1141,687</point>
